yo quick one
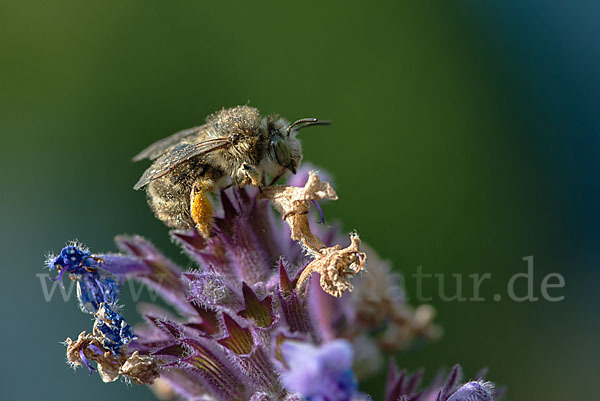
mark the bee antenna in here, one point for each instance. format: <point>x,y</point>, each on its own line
<point>305,122</point>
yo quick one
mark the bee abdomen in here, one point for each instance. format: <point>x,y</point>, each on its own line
<point>169,199</point>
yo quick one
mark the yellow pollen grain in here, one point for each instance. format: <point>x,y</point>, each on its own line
<point>202,212</point>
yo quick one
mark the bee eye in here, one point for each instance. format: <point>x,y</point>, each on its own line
<point>281,150</point>
<point>234,138</point>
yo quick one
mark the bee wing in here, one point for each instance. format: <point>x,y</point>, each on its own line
<point>159,147</point>
<point>179,154</point>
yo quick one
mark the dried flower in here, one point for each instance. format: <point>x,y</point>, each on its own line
<point>251,321</point>
<point>87,347</point>
<point>334,264</point>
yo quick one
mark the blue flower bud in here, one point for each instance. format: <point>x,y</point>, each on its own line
<point>114,330</point>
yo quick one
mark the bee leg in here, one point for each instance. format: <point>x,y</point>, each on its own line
<point>200,208</point>
<point>277,177</point>
<point>248,174</point>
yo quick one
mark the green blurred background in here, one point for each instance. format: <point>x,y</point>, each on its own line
<point>465,138</point>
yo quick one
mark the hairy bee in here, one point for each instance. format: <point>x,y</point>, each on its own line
<point>236,146</point>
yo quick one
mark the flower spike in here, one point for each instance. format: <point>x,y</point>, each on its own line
<point>244,321</point>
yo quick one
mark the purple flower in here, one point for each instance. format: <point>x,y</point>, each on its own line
<point>239,327</point>
<point>320,373</point>
<point>404,387</point>
<point>474,391</point>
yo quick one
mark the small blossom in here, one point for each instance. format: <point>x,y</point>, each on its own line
<point>112,329</point>
<point>320,373</point>
<point>73,258</point>
<point>209,288</point>
<point>474,391</point>
<point>404,387</point>
<point>95,286</point>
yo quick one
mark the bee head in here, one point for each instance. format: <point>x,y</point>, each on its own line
<point>283,153</point>
<point>285,148</point>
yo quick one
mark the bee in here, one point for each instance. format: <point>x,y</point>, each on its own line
<point>236,146</point>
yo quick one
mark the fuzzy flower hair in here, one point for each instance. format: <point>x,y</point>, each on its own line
<point>275,308</point>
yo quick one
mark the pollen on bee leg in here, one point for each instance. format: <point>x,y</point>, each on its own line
<point>201,208</point>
